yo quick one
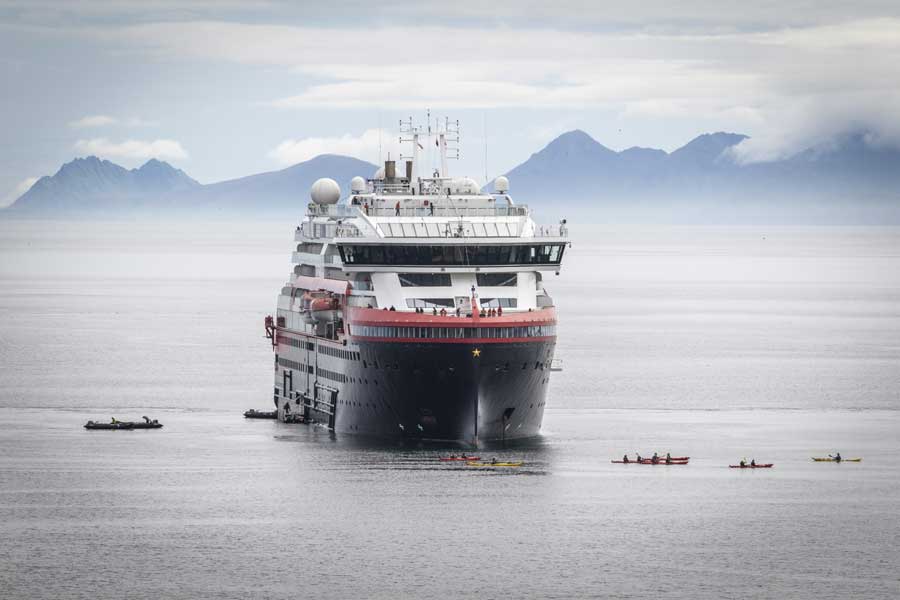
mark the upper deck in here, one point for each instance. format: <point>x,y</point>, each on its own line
<point>416,217</point>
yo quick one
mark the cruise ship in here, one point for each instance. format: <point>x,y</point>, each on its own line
<point>417,306</point>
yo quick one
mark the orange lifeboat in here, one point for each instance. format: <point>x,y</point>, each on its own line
<point>321,306</point>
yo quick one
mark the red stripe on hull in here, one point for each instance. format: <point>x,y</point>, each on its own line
<point>547,338</point>
<point>374,316</point>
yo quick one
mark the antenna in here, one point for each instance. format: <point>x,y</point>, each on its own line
<point>410,133</point>
<point>450,135</point>
<point>430,154</point>
<point>379,137</point>
<point>485,148</point>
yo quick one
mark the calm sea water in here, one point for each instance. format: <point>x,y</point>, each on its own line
<point>718,343</point>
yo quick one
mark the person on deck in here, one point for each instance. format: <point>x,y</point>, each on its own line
<point>499,311</point>
<point>397,209</point>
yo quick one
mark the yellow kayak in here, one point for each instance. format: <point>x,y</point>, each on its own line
<point>834,460</point>
<point>472,463</point>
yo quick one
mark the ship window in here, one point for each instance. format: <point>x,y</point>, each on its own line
<point>424,279</point>
<point>453,255</point>
<point>479,230</point>
<point>448,332</point>
<point>497,279</point>
<point>554,253</point>
<point>433,230</point>
<point>429,303</point>
<point>420,229</point>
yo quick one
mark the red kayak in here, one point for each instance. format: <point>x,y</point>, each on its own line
<point>678,459</point>
<point>650,462</point>
<point>766,466</point>
<point>459,458</point>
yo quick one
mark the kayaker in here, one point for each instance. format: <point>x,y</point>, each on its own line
<point>655,458</point>
<point>625,458</point>
<point>743,463</point>
<point>494,461</point>
<point>639,459</point>
<point>837,457</point>
<point>668,458</point>
<point>752,462</point>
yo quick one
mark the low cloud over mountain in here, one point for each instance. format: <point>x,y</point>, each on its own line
<point>851,181</point>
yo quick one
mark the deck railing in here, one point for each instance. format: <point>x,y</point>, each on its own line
<point>344,210</point>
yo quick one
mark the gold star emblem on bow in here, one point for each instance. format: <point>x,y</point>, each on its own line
<point>476,352</point>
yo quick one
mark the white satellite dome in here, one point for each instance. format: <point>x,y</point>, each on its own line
<point>325,191</point>
<point>357,185</point>
<point>464,185</point>
<point>379,174</point>
<point>501,185</point>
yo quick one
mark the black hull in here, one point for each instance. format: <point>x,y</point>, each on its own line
<point>466,392</point>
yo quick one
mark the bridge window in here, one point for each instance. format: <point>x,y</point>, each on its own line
<point>456,255</point>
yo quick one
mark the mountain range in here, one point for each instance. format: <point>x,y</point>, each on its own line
<point>92,187</point>
<point>851,181</point>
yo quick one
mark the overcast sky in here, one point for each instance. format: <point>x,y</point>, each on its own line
<point>229,88</point>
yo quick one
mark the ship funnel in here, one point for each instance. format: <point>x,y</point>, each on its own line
<point>409,170</point>
<point>390,170</point>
